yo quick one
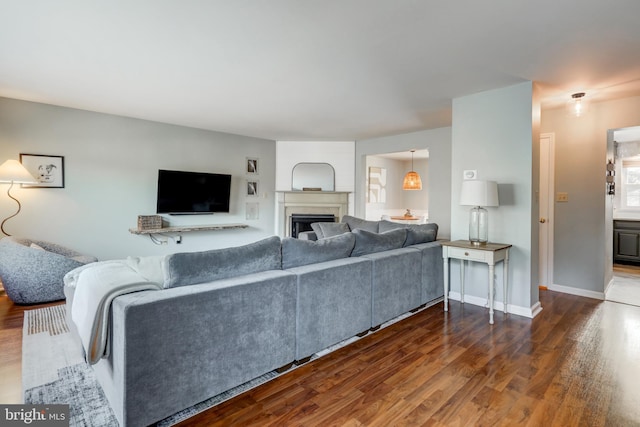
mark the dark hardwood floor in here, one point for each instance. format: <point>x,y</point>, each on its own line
<point>577,363</point>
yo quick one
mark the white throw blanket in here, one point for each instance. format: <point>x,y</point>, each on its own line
<point>96,286</point>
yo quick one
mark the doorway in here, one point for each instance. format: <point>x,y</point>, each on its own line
<point>546,203</point>
<point>625,285</point>
<point>385,197</point>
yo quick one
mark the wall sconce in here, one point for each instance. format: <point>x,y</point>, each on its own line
<point>412,180</point>
<point>578,106</point>
<point>611,178</point>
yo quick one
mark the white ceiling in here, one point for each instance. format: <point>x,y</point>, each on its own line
<point>311,69</point>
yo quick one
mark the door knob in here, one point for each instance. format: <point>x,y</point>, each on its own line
<point>542,220</point>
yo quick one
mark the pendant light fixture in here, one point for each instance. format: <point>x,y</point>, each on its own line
<point>412,180</point>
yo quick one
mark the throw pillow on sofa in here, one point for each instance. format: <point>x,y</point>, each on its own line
<point>329,229</point>
<point>359,223</point>
<point>296,252</point>
<point>190,268</point>
<point>368,242</point>
<point>416,233</point>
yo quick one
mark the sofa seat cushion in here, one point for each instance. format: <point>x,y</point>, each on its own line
<point>368,242</point>
<point>296,252</point>
<point>416,233</point>
<point>190,268</point>
<point>329,229</point>
<point>361,224</point>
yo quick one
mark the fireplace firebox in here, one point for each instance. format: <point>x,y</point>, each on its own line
<point>302,222</point>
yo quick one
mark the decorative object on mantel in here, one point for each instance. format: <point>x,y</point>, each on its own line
<point>13,172</point>
<point>408,214</point>
<point>313,175</point>
<point>48,170</point>
<point>412,180</point>
<point>479,193</point>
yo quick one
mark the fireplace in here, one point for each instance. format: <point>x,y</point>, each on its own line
<point>302,222</point>
<point>329,204</point>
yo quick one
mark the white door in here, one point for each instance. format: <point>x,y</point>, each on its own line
<point>546,200</point>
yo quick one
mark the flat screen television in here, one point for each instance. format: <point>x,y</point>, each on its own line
<point>188,193</point>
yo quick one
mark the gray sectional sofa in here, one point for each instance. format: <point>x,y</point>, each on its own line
<point>226,316</point>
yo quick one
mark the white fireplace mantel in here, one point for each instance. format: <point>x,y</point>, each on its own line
<point>308,202</point>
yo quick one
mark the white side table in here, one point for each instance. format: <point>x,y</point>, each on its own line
<point>489,254</point>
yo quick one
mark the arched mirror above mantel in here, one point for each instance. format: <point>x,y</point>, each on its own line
<point>313,177</point>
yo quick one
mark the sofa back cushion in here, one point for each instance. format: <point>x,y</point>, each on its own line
<point>368,242</point>
<point>329,229</point>
<point>296,252</point>
<point>416,233</point>
<point>190,268</point>
<point>359,223</point>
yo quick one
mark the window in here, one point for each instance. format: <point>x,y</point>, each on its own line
<point>631,183</point>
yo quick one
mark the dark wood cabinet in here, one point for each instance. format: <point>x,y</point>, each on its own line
<point>626,242</point>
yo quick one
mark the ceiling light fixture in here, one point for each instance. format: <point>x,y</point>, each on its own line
<point>412,180</point>
<point>578,105</point>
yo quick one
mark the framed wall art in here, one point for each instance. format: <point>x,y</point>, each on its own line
<point>252,188</point>
<point>377,185</point>
<point>252,165</point>
<point>48,170</point>
<point>252,211</point>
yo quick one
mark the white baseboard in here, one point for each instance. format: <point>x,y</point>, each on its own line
<point>529,312</point>
<point>606,289</point>
<point>576,291</point>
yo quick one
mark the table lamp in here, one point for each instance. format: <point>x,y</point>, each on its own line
<point>479,194</point>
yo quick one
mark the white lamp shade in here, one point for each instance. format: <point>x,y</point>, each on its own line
<point>13,171</point>
<point>479,193</point>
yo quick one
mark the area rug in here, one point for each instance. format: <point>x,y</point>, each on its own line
<point>54,372</point>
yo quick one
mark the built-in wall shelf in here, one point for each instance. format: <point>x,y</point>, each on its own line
<point>187,228</point>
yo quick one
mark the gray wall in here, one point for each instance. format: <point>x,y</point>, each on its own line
<point>495,133</point>
<point>438,142</point>
<point>583,232</point>
<point>111,166</point>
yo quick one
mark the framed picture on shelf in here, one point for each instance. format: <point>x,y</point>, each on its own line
<point>252,165</point>
<point>48,170</point>
<point>252,188</point>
